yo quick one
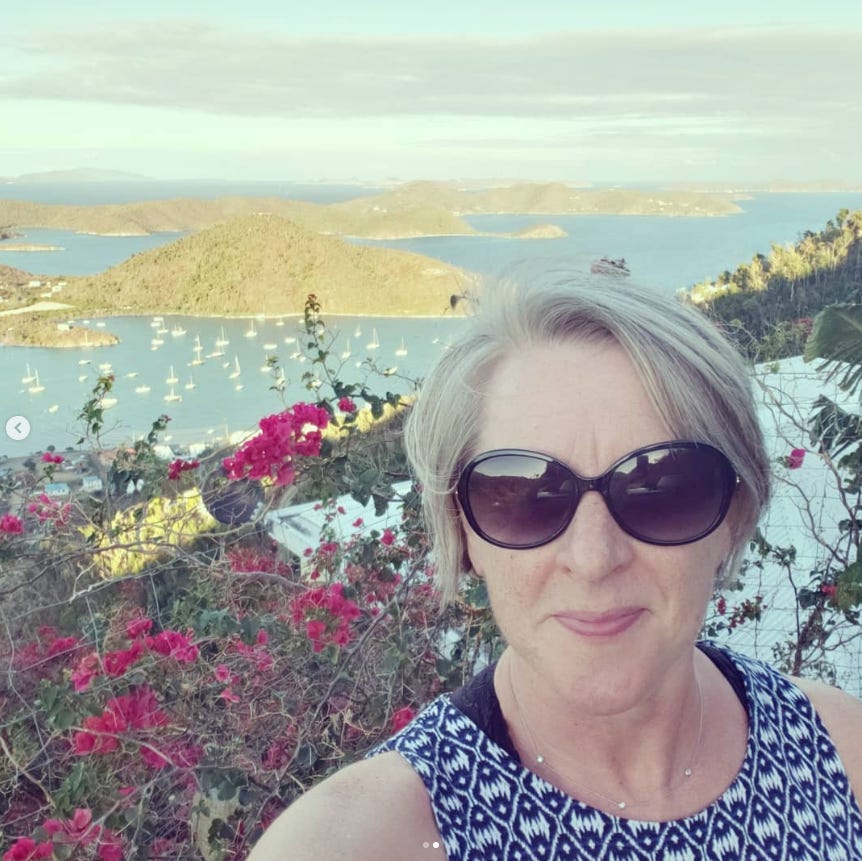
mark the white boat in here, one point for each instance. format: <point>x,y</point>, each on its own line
<point>28,377</point>
<point>374,343</point>
<point>279,322</point>
<point>357,332</point>
<point>172,380</point>
<point>345,353</point>
<point>251,332</point>
<point>270,346</point>
<point>290,339</point>
<point>83,361</point>
<point>157,342</point>
<point>82,378</point>
<point>53,408</point>
<point>100,324</point>
<point>402,349</point>
<point>162,330</point>
<point>238,387</point>
<point>173,396</point>
<point>388,372</point>
<point>222,340</point>
<point>106,367</point>
<point>107,403</point>
<point>197,360</point>
<point>132,374</point>
<point>236,371</point>
<point>191,384</point>
<point>178,331</point>
<point>217,353</point>
<point>36,386</point>
<point>142,390</point>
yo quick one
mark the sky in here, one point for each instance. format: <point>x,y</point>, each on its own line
<point>623,91</point>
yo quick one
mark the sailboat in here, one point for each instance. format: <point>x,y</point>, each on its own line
<point>36,387</point>
<point>28,377</point>
<point>173,396</point>
<point>172,380</point>
<point>251,332</point>
<point>357,332</point>
<point>197,360</point>
<point>191,383</point>
<point>374,343</point>
<point>345,353</point>
<point>177,331</point>
<point>142,389</point>
<point>222,340</point>
<point>402,349</point>
<point>236,371</point>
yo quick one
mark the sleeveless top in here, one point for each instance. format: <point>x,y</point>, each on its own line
<point>791,799</point>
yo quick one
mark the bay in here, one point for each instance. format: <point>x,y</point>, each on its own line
<point>663,253</point>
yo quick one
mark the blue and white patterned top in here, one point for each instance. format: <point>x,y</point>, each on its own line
<point>791,799</point>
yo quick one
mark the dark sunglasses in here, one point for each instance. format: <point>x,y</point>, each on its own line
<point>668,493</point>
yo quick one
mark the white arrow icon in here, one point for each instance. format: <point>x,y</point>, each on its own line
<point>17,428</point>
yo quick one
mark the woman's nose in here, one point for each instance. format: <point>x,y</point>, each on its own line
<point>593,544</point>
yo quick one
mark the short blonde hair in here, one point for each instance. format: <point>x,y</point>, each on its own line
<point>695,379</point>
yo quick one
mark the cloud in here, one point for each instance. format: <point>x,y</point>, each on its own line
<point>744,78</point>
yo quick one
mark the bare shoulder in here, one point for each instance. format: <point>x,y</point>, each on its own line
<point>842,716</point>
<point>374,809</point>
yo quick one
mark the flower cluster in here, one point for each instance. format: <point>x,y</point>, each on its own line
<point>179,466</point>
<point>168,643</point>
<point>47,509</point>
<point>283,436</point>
<point>326,614</point>
<point>11,525</point>
<point>137,710</point>
<point>50,457</point>
<point>73,834</point>
<point>346,405</point>
<point>795,458</point>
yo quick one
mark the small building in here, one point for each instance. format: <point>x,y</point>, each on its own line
<point>91,484</point>
<point>58,490</point>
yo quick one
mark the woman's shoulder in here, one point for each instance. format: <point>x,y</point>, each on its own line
<point>841,714</point>
<point>377,808</point>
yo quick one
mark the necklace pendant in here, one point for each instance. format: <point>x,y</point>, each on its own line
<point>621,805</point>
<point>687,772</point>
<point>540,759</point>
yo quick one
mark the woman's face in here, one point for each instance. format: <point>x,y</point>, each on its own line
<point>600,616</point>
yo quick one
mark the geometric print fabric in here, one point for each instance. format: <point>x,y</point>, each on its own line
<point>791,800</point>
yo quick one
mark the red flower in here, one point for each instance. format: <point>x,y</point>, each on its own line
<point>179,466</point>
<point>26,849</point>
<point>136,627</point>
<point>795,458</point>
<point>829,590</point>
<point>388,537</point>
<point>48,457</point>
<point>88,668</point>
<point>346,405</point>
<point>11,525</point>
<point>402,717</point>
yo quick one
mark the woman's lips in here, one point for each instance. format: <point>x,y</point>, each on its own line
<point>600,624</point>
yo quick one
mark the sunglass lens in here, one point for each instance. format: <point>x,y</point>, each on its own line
<point>671,495</point>
<point>519,501</point>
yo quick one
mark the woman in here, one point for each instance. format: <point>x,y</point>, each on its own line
<point>593,453</point>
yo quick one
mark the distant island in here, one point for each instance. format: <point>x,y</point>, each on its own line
<point>406,211</point>
<point>80,174</point>
<point>541,231</point>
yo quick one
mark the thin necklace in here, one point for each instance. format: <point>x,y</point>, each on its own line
<point>621,805</point>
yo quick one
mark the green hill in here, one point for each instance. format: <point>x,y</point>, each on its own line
<point>267,264</point>
<point>767,304</point>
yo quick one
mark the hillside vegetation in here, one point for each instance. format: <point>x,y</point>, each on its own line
<point>767,304</point>
<point>188,214</point>
<point>266,263</point>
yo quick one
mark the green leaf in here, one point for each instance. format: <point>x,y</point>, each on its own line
<point>837,338</point>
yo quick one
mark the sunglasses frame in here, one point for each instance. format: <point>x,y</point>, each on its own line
<point>600,484</point>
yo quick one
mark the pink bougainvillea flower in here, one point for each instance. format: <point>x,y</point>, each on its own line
<point>136,627</point>
<point>795,458</point>
<point>179,466</point>
<point>222,673</point>
<point>174,644</point>
<point>229,696</point>
<point>402,717</point>
<point>388,537</point>
<point>49,457</point>
<point>829,590</point>
<point>88,668</point>
<point>27,849</point>
<point>11,525</point>
<point>346,405</point>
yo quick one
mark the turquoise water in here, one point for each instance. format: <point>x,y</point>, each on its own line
<point>663,253</point>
